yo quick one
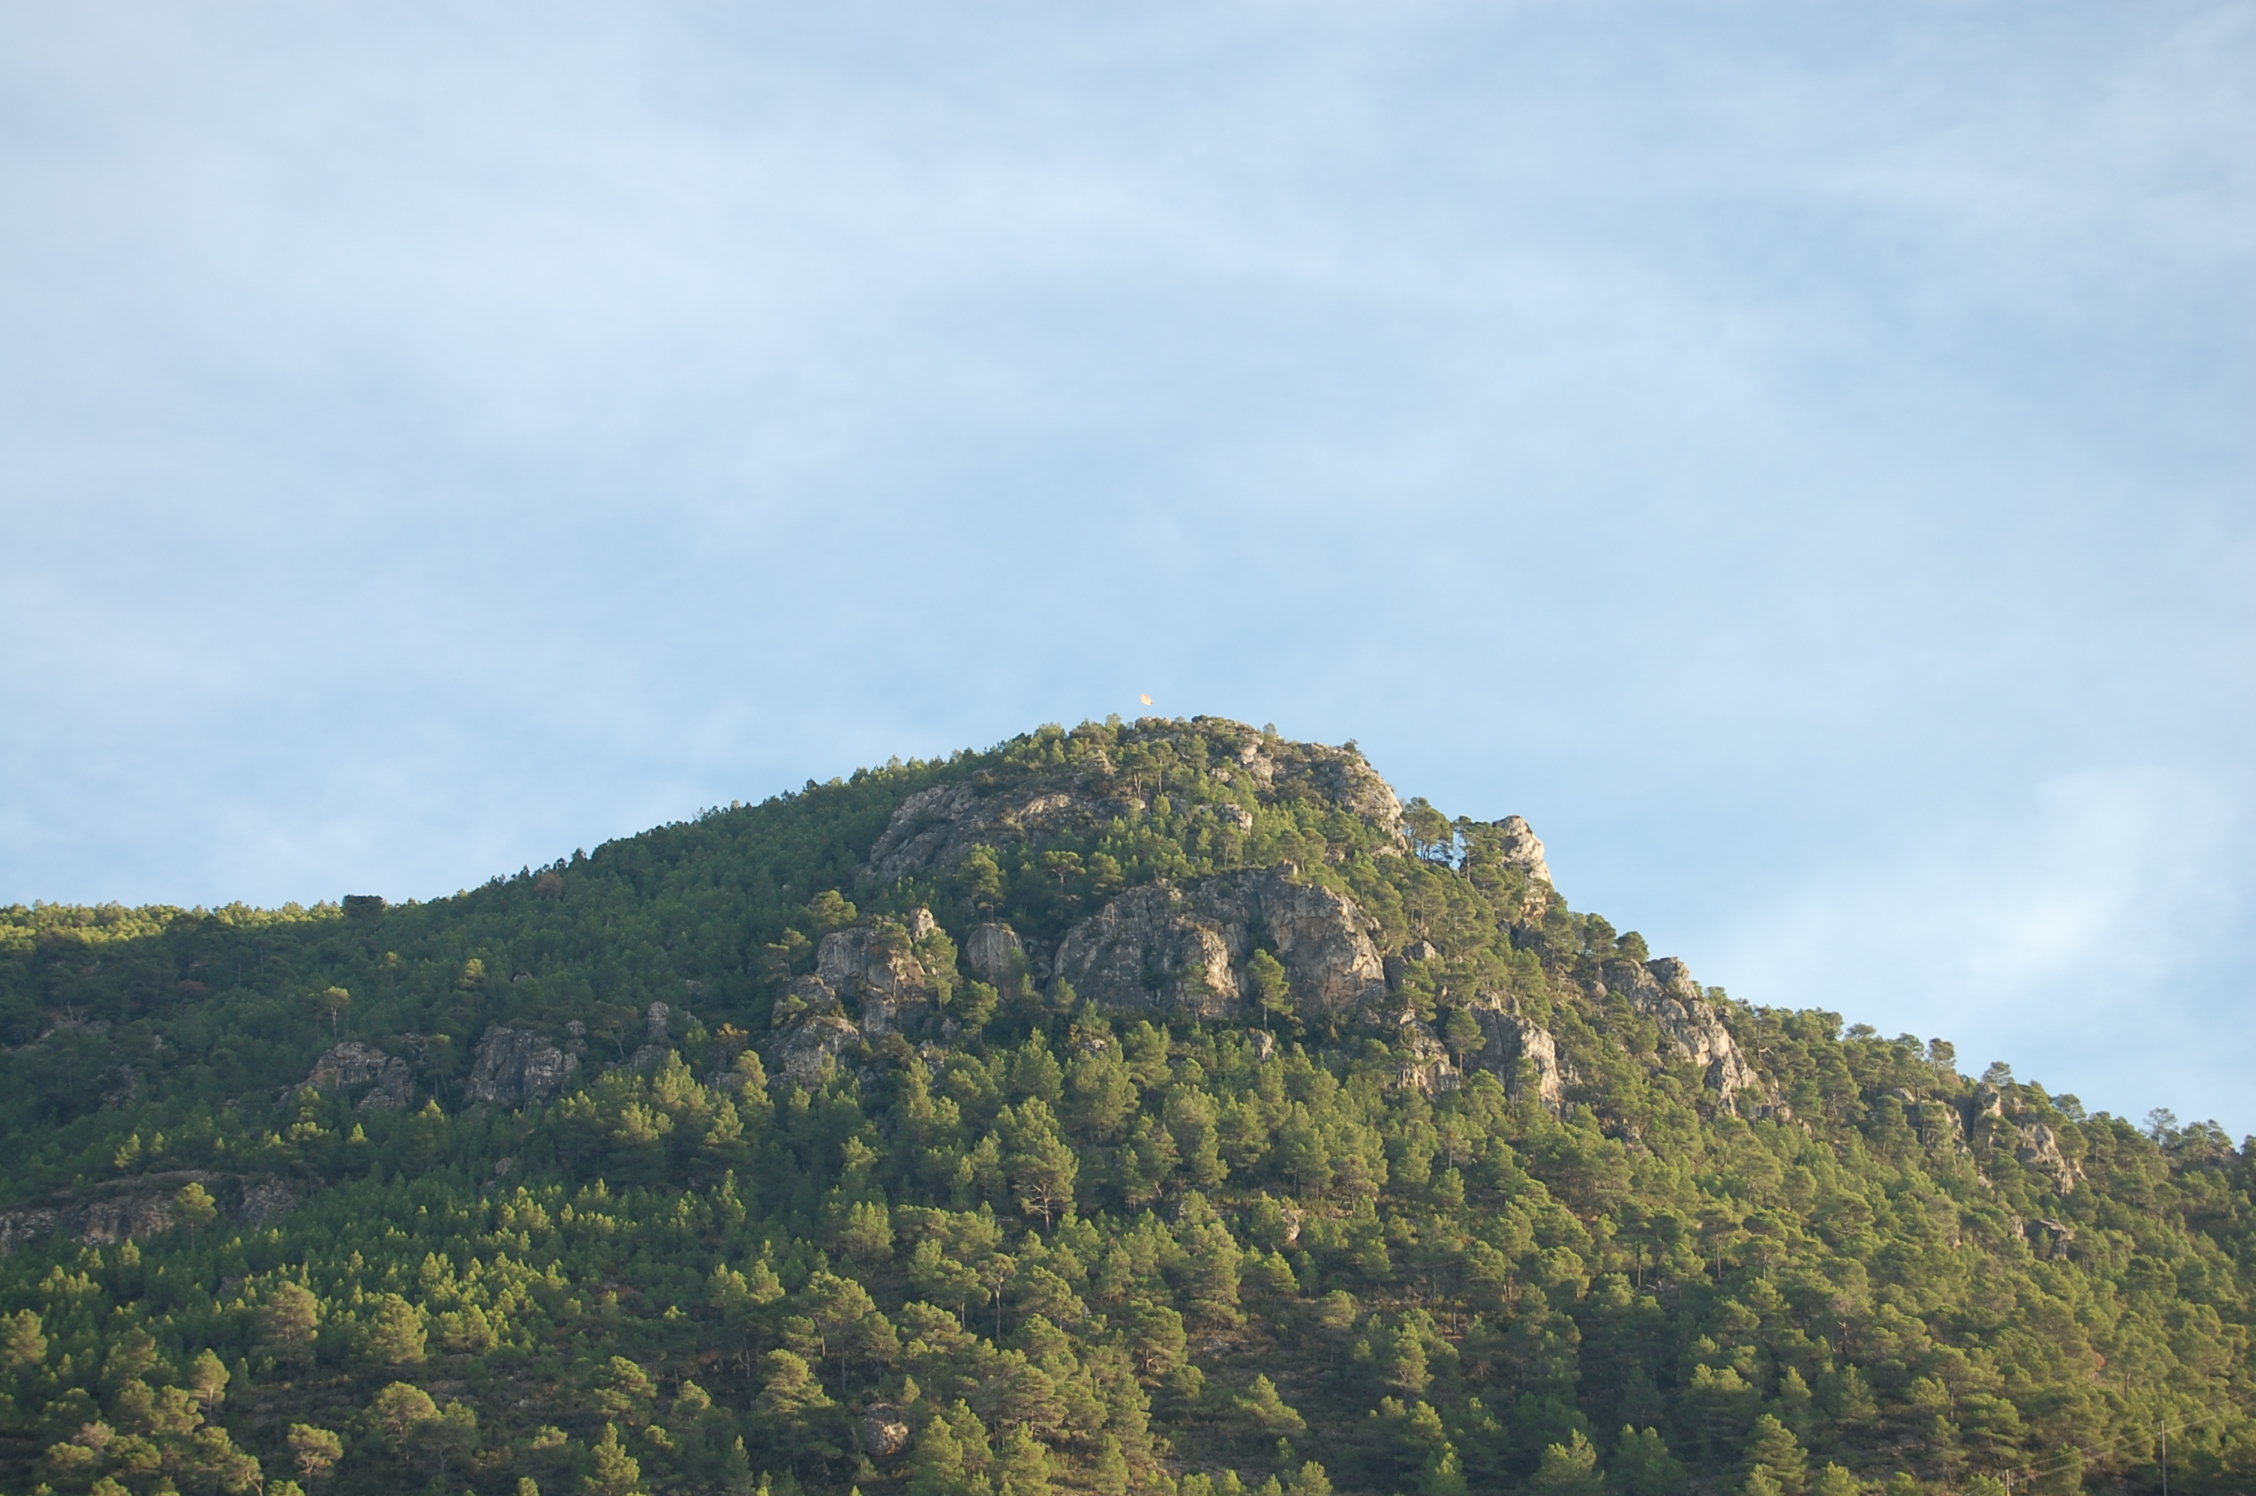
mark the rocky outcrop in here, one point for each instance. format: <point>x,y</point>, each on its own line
<point>1511,1037</point>
<point>1426,1065</point>
<point>938,827</point>
<point>1937,1121</point>
<point>803,1047</point>
<point>1158,950</point>
<point>29,1224</point>
<point>881,1431</point>
<point>1995,1124</point>
<point>1690,1027</point>
<point>1180,951</point>
<point>1341,777</point>
<point>873,971</point>
<point>2038,1147</point>
<point>124,1210</point>
<point>349,1066</point>
<point>996,955</point>
<point>657,1038</point>
<point>267,1201</point>
<point>1521,848</point>
<point>516,1067</point>
<point>1323,939</point>
<point>105,1223</point>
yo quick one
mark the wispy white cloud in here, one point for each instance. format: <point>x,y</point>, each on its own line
<point>439,440</point>
<point>2075,935</point>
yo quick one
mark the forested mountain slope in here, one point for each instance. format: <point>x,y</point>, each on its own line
<point>1151,1107</point>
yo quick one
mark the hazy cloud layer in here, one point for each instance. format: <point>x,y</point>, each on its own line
<point>1799,456</point>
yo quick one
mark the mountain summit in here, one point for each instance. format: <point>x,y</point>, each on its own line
<point>1153,1107</point>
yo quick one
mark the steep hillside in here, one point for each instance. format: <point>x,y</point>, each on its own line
<point>1151,1107</point>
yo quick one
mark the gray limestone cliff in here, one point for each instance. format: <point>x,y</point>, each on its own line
<point>1512,1037</point>
<point>349,1066</point>
<point>1521,848</point>
<point>1179,950</point>
<point>515,1067</point>
<point>1690,1027</point>
<point>873,969</point>
<point>870,980</point>
<point>1996,1126</point>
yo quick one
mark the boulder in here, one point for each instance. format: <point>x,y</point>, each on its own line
<point>881,1431</point>
<point>515,1067</point>
<point>995,954</point>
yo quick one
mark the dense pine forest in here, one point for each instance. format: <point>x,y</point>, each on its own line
<point>1151,1107</point>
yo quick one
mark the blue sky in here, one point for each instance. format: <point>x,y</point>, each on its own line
<point>1798,455</point>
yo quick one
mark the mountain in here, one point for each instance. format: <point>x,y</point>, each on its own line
<point>1155,1107</point>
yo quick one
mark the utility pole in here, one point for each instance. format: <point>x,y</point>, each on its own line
<point>2165,1457</point>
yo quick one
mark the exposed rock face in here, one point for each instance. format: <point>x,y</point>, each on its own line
<point>1179,951</point>
<point>2039,1149</point>
<point>657,1039</point>
<point>1154,950</point>
<point>112,1213</point>
<point>1938,1120</point>
<point>35,1223</point>
<point>1986,1124</point>
<point>1522,849</point>
<point>938,827</point>
<point>351,1065</point>
<point>105,1223</point>
<point>881,1431</point>
<point>1398,967</point>
<point>1426,1065</point>
<point>874,971</point>
<point>267,1202</point>
<point>995,954</point>
<point>1690,1029</point>
<point>1340,775</point>
<point>808,1042</point>
<point>1512,1037</point>
<point>514,1067</point>
<point>1322,938</point>
<point>1994,1125</point>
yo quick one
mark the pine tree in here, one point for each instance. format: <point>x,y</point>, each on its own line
<point>616,1472</point>
<point>1570,1469</point>
<point>1774,1450</point>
